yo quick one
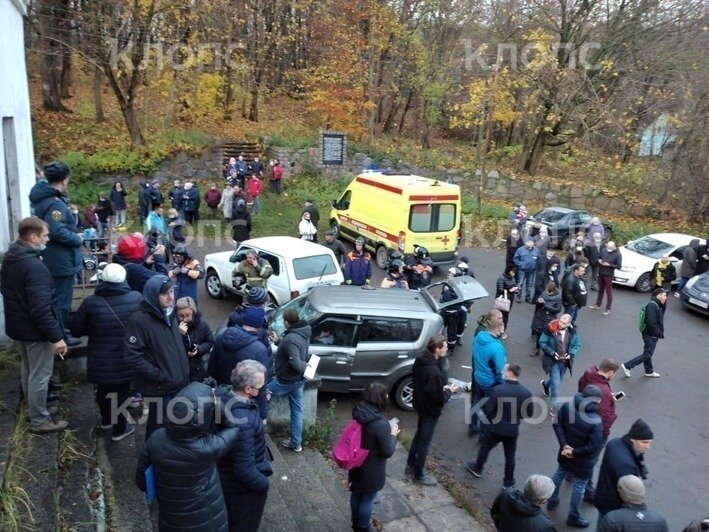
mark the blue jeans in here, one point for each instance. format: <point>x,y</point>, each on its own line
<point>526,284</point>
<point>418,452</point>
<point>682,281</point>
<point>361,505</point>
<point>556,373</point>
<point>294,391</point>
<point>64,292</point>
<point>577,490</point>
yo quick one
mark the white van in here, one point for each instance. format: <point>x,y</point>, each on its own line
<point>298,265</point>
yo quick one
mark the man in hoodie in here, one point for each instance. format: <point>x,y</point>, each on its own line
<point>153,347</point>
<point>623,456</point>
<point>62,254</point>
<point>140,264</point>
<point>508,404</point>
<point>559,345</point>
<point>515,510</point>
<point>186,273</point>
<point>548,267</point>
<point>689,264</point>
<point>291,360</point>
<point>526,261</point>
<point>653,330</point>
<point>31,319</point>
<point>489,359</point>
<point>579,430</point>
<point>609,261</point>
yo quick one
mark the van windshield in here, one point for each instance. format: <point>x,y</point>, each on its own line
<point>315,266</point>
<point>301,305</point>
<point>432,217</point>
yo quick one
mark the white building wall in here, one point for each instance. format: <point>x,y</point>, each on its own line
<point>17,170</point>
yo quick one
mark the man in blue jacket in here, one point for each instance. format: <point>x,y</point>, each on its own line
<point>358,265</point>
<point>508,404</point>
<point>63,252</point>
<point>31,319</point>
<point>488,361</point>
<point>579,431</point>
<point>526,261</point>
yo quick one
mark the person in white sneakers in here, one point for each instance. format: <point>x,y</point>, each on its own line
<point>652,330</point>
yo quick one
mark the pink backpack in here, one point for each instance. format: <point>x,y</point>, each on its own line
<point>348,452</point>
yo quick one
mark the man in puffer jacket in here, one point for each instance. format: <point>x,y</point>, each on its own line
<point>515,510</point>
<point>103,317</point>
<point>184,457</point>
<point>244,471</point>
<point>153,348</point>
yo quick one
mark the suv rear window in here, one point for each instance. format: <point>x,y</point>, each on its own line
<point>315,266</point>
<point>432,217</point>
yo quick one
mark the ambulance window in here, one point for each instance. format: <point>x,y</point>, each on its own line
<point>344,201</point>
<point>446,217</point>
<point>420,220</point>
<point>436,217</point>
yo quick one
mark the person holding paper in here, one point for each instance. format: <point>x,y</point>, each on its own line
<point>290,361</point>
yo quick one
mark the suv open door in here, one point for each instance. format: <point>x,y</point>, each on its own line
<point>466,289</point>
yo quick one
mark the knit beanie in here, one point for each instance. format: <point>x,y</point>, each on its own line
<point>256,296</point>
<point>113,273</point>
<point>631,489</point>
<point>640,431</point>
<point>657,291</point>
<point>254,316</point>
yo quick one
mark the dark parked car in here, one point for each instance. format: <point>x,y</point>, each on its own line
<point>563,223</point>
<point>695,294</point>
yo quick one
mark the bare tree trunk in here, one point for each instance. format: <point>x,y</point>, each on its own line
<point>65,76</point>
<point>98,97</point>
<point>51,14</point>
<point>389,121</point>
<point>407,107</point>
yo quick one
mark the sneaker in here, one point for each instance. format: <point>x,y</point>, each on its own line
<point>130,429</point>
<point>473,468</point>
<point>607,312</point>
<point>54,386</point>
<point>677,295</point>
<point>425,480</point>
<point>409,471</point>
<point>54,396</point>
<point>578,522</point>
<point>50,426</point>
<point>626,371</point>
<point>545,387</point>
<point>594,307</point>
<point>106,426</point>
<point>289,445</point>
<point>654,374</point>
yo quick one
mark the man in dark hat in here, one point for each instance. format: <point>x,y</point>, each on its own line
<point>62,255</point>
<point>335,245</point>
<point>652,328</point>
<point>623,456</point>
<point>153,347</point>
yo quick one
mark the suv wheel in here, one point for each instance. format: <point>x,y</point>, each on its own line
<point>404,393</point>
<point>213,285</point>
<point>382,256</point>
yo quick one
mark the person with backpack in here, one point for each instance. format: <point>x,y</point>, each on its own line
<point>651,323</point>
<point>378,437</point>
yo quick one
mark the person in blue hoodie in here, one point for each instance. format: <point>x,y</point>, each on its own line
<point>526,261</point>
<point>231,347</point>
<point>153,347</point>
<point>62,255</point>
<point>489,360</point>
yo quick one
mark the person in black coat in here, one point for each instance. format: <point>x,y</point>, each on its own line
<point>548,266</point>
<point>118,199</point>
<point>244,471</point>
<point>153,347</point>
<point>197,337</point>
<point>175,195</point>
<point>517,511</point>
<point>654,330</point>
<point>505,408</point>
<point>580,436</point>
<point>379,438</point>
<point>573,291</point>
<point>513,242</point>
<point>507,288</point>
<point>431,393</point>
<point>547,309</point>
<point>232,346</point>
<point>103,317</point>
<point>623,456</point>
<point>190,203</point>
<point>240,221</point>
<point>184,458</point>
<point>143,201</point>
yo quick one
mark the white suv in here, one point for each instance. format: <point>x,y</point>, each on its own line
<point>298,265</point>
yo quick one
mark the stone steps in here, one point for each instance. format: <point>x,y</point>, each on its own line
<point>233,149</point>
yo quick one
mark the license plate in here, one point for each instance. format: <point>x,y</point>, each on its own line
<point>698,302</point>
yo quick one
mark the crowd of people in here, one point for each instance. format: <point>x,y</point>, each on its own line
<point>206,399</point>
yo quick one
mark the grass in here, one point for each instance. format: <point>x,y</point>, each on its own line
<point>9,362</point>
<point>15,505</point>
<point>319,434</point>
<point>70,449</point>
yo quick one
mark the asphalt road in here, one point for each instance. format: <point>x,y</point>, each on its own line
<point>673,405</point>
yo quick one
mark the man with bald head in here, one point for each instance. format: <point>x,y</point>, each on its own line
<point>633,514</point>
<point>609,261</point>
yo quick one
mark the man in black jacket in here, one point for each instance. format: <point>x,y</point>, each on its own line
<point>623,456</point>
<point>574,292</point>
<point>609,261</point>
<point>654,329</point>
<point>31,319</point>
<point>512,243</point>
<point>515,510</point>
<point>291,360</point>
<point>592,251</point>
<point>431,393</point>
<point>633,515</point>
<point>153,347</point>
<point>508,404</point>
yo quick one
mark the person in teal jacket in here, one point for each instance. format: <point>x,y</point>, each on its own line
<point>489,360</point>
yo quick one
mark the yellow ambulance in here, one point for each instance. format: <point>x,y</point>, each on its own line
<point>397,212</point>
